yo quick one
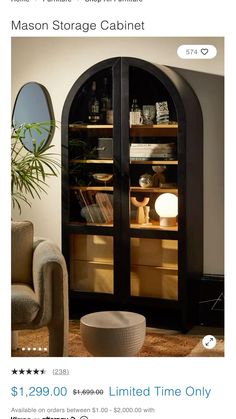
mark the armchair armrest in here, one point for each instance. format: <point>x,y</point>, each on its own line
<point>50,281</point>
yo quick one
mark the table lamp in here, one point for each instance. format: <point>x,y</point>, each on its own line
<point>166,206</point>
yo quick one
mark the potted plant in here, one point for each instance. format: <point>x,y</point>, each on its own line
<point>30,169</point>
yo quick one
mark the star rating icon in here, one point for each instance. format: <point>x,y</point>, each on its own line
<point>28,371</point>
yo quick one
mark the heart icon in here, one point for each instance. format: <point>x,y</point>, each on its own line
<point>204,51</point>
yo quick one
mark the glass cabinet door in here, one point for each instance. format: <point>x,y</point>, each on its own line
<point>90,159</point>
<point>153,186</point>
<point>91,152</point>
<point>154,268</point>
<point>91,263</point>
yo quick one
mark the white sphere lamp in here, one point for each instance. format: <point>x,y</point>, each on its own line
<point>166,206</point>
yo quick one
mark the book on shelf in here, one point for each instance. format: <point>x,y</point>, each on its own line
<point>151,151</point>
<point>86,204</point>
<point>105,205</point>
<point>89,208</point>
<point>96,207</point>
<point>154,157</point>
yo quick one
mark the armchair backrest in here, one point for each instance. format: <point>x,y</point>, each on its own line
<point>21,251</point>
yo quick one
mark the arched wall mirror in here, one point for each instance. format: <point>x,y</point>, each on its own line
<point>33,105</point>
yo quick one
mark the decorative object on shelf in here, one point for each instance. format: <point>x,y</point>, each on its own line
<point>140,215</point>
<point>158,178</point>
<point>134,106</point>
<point>146,180</point>
<point>104,149</point>
<point>93,105</point>
<point>109,116</point>
<point>146,214</point>
<point>102,177</point>
<point>135,118</point>
<point>135,115</point>
<point>162,113</point>
<point>149,113</point>
<point>166,206</point>
<point>105,102</point>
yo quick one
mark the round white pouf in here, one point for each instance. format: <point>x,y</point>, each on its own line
<point>113,333</point>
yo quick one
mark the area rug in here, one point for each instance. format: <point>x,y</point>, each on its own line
<point>35,343</point>
<point>200,351</point>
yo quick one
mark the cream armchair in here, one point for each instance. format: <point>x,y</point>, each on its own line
<point>39,290</point>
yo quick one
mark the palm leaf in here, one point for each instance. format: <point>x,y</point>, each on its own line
<point>29,170</point>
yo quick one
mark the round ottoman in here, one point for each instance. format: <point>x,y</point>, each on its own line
<point>113,333</point>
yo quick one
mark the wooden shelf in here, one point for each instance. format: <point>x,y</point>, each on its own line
<point>78,223</point>
<point>132,189</point>
<point>92,188</point>
<point>153,225</point>
<point>77,127</point>
<point>161,268</point>
<point>159,162</point>
<point>150,226</point>
<point>92,161</point>
<point>99,262</point>
<point>156,190</point>
<point>110,161</point>
<point>160,130</point>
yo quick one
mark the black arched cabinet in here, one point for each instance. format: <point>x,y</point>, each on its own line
<point>120,254</point>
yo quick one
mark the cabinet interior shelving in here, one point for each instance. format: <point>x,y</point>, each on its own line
<point>116,261</point>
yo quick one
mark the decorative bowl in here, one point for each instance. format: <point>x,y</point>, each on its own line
<point>102,177</point>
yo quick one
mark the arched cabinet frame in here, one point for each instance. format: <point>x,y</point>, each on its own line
<point>180,314</point>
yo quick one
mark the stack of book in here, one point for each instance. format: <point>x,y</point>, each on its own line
<point>153,151</point>
<point>96,207</point>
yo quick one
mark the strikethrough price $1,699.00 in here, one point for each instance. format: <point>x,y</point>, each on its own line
<point>38,391</point>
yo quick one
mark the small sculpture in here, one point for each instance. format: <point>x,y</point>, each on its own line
<point>140,215</point>
<point>146,214</point>
<point>158,177</point>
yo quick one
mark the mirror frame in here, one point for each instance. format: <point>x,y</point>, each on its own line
<point>48,101</point>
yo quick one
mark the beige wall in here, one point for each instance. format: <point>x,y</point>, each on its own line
<point>58,62</point>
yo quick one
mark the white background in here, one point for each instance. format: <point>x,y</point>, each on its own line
<point>175,18</point>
